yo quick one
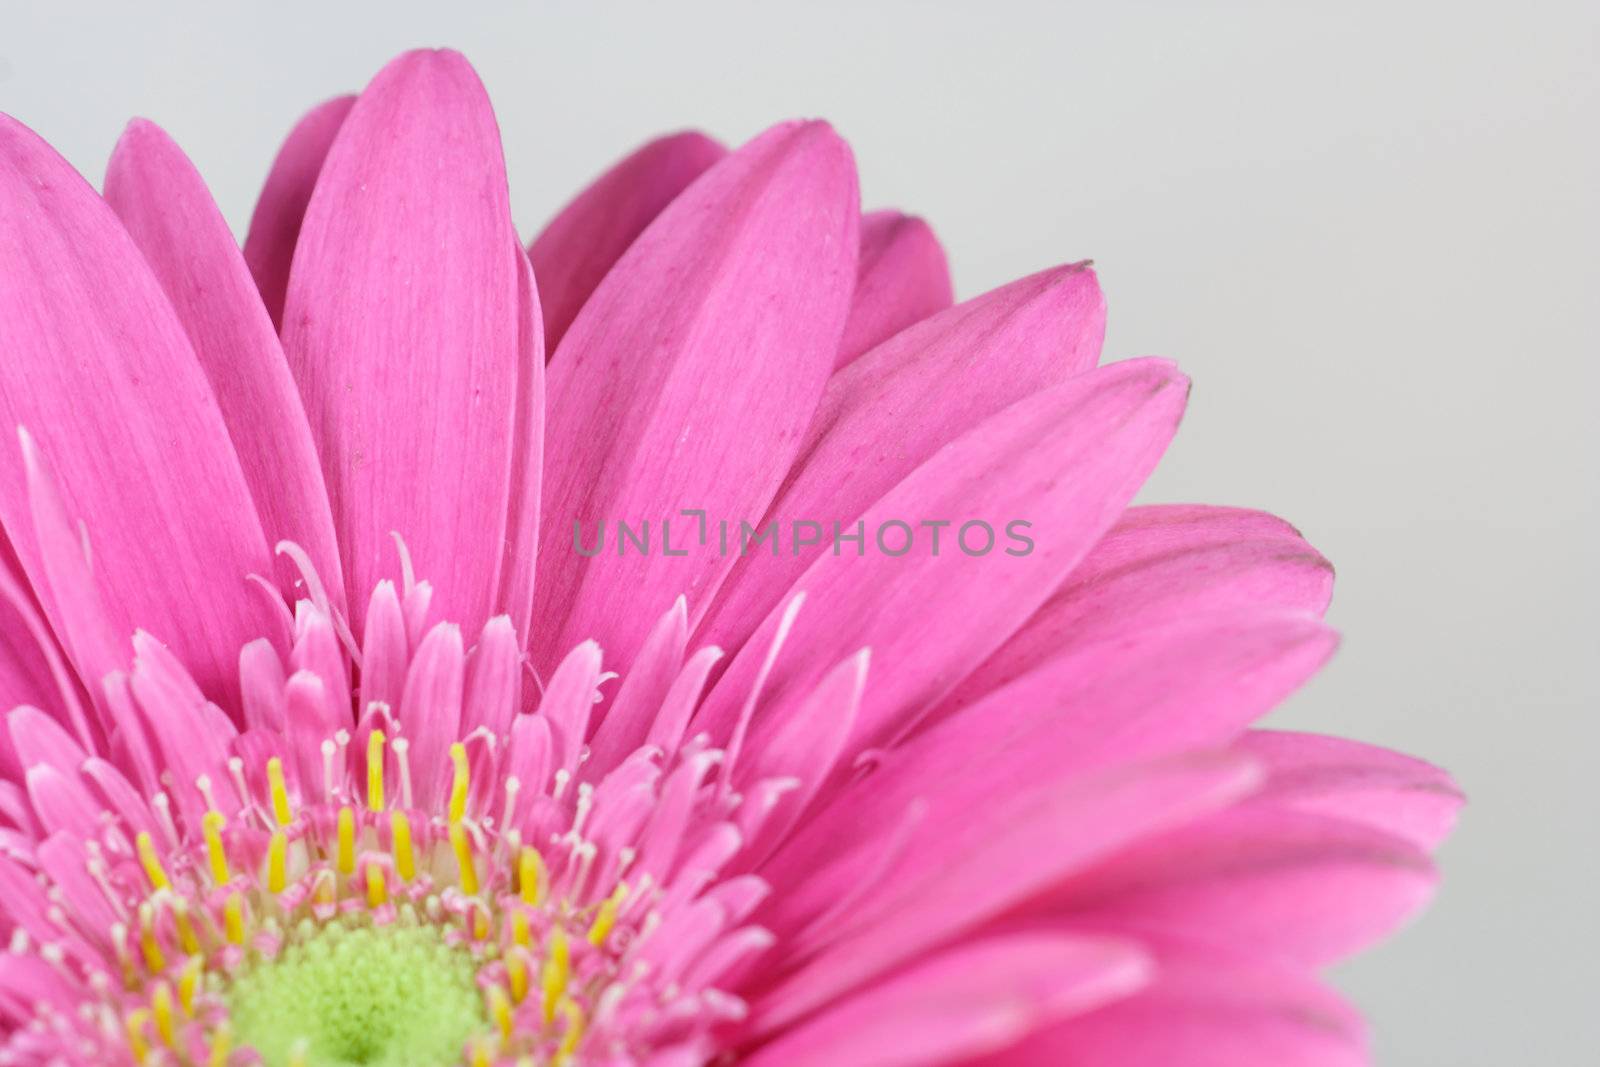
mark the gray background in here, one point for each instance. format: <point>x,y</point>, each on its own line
<point>1368,233</point>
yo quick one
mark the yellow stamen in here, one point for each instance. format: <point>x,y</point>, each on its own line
<point>278,862</point>
<point>154,958</point>
<point>136,1021</point>
<point>607,917</point>
<point>500,1011</point>
<point>281,810</point>
<point>161,1004</point>
<point>463,850</point>
<point>150,861</point>
<point>188,982</point>
<point>557,969</point>
<point>221,1044</point>
<point>405,858</point>
<point>530,872</point>
<point>326,890</point>
<point>461,783</point>
<point>481,1053</point>
<point>572,1034</point>
<point>186,935</point>
<point>519,928</point>
<point>212,826</point>
<point>375,770</point>
<point>517,975</point>
<point>480,923</point>
<point>233,918</point>
<point>377,887</point>
<point>347,841</point>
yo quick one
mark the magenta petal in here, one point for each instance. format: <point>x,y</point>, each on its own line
<point>1305,889</point>
<point>1159,564</point>
<point>1065,461</point>
<point>589,235</point>
<point>281,208</point>
<point>430,711</point>
<point>1396,793</point>
<point>643,691</point>
<point>688,380</point>
<point>1191,683</point>
<point>967,862</point>
<point>169,213</point>
<point>401,324</point>
<point>527,462</point>
<point>961,1002</point>
<point>918,391</point>
<point>32,668</point>
<point>1206,1009</point>
<point>902,278</point>
<point>99,371</point>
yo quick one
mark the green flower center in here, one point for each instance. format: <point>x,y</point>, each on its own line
<point>349,995</point>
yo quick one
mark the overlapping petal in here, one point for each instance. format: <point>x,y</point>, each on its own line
<point>402,326</point>
<point>902,278</point>
<point>586,238</point>
<point>166,208</point>
<point>687,382</point>
<point>101,373</point>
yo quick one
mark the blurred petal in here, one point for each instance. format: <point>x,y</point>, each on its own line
<point>1194,687</point>
<point>1395,793</point>
<point>961,1002</point>
<point>401,324</point>
<point>589,235</point>
<point>169,213</point>
<point>1307,890</point>
<point>281,208</point>
<point>1156,565</point>
<point>688,381</point>
<point>1206,1009</point>
<point>902,278</point>
<point>971,862</point>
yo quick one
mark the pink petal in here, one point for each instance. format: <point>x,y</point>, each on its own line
<point>401,324</point>
<point>1159,564</point>
<point>1395,793</point>
<point>33,668</point>
<point>688,380</point>
<point>643,691</point>
<point>281,208</point>
<point>99,370</point>
<point>430,711</point>
<point>1305,889</point>
<point>494,679</point>
<point>1065,460</point>
<point>1206,1009</point>
<point>891,410</point>
<point>568,702</point>
<point>1192,683</point>
<point>527,462</point>
<point>384,650</point>
<point>170,215</point>
<point>902,278</point>
<point>962,1002</point>
<point>804,747</point>
<point>589,235</point>
<point>967,862</point>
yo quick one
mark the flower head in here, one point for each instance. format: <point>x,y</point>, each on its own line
<point>778,677</point>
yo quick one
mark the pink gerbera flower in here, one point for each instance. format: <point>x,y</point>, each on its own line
<point>781,678</point>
